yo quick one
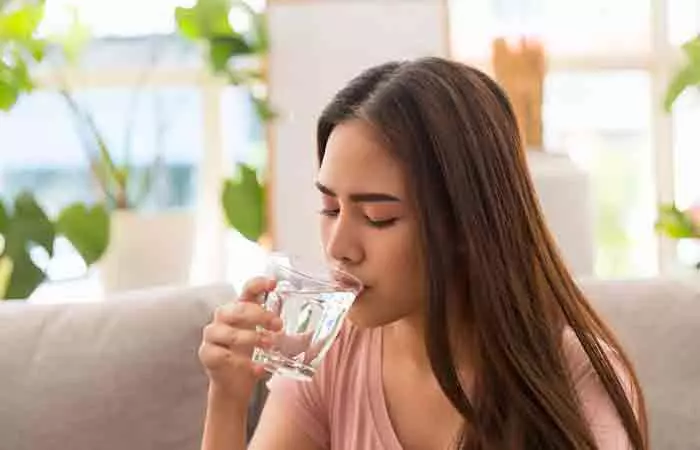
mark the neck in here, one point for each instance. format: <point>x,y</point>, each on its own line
<point>405,342</point>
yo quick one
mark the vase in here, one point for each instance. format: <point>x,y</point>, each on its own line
<point>148,250</point>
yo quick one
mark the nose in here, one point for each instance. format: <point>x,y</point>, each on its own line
<point>342,242</point>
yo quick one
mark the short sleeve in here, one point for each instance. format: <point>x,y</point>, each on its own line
<point>599,410</point>
<point>307,402</point>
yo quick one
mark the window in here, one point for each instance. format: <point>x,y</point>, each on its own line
<point>136,75</point>
<point>45,154</point>
<point>42,151</point>
<point>568,28</point>
<point>607,66</point>
<point>602,120</point>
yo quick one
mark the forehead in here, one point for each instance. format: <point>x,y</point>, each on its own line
<point>356,158</point>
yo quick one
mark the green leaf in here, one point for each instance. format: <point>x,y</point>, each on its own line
<point>259,40</point>
<point>27,225</point>
<point>186,20</point>
<point>24,277</point>
<point>239,76</point>
<point>22,77</point>
<point>18,49</point>
<point>674,223</point>
<point>8,96</point>
<point>4,219</point>
<point>686,77</point>
<point>223,48</point>
<point>213,17</point>
<point>207,18</point>
<point>21,23</point>
<point>14,80</point>
<point>31,223</point>
<point>243,201</point>
<point>263,108</point>
<point>691,48</point>
<point>86,229</point>
<point>36,48</point>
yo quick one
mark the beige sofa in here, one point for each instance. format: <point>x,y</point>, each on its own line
<point>123,373</point>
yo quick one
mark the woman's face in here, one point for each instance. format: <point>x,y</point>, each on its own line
<point>368,225</point>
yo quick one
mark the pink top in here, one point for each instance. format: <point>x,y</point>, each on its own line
<point>343,407</point>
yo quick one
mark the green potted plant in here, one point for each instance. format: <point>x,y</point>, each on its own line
<point>141,250</point>
<point>672,221</point>
<point>147,247</point>
<point>239,56</point>
<point>24,226</point>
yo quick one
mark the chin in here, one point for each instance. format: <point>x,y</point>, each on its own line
<point>365,314</point>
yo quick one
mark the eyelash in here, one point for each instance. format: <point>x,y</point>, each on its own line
<point>374,223</point>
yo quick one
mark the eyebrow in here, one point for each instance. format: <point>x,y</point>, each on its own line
<point>360,197</point>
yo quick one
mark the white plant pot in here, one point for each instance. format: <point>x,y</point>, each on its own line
<point>147,250</point>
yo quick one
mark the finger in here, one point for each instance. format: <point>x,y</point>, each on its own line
<point>216,358</point>
<point>235,339</point>
<point>255,289</point>
<point>247,315</point>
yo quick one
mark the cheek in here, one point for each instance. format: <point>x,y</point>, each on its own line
<point>399,255</point>
<point>404,275</point>
<point>398,282</point>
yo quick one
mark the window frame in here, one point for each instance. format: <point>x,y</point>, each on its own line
<point>659,62</point>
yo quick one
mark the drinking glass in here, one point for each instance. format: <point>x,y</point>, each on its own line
<point>312,307</point>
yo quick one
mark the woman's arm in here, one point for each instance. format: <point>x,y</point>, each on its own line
<point>225,423</point>
<point>225,427</point>
<point>277,430</point>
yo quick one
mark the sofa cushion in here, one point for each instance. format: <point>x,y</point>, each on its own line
<point>658,323</point>
<point>118,374</point>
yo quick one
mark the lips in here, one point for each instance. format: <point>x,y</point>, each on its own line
<point>348,280</point>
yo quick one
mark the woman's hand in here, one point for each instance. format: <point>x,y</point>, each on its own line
<point>228,343</point>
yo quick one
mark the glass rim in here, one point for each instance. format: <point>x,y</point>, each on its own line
<point>353,283</point>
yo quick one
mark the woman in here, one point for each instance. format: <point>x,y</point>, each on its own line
<point>470,333</point>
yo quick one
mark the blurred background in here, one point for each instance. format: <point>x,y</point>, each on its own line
<point>184,100</point>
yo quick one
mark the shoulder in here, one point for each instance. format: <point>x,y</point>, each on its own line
<point>313,404</point>
<point>598,408</point>
<point>580,366</point>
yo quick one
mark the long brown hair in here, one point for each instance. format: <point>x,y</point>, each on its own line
<point>454,131</point>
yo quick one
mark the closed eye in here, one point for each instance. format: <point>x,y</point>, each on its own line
<point>329,212</point>
<point>382,223</point>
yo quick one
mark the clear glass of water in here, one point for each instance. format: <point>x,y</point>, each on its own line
<point>312,308</point>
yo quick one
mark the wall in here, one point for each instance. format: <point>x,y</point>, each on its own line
<point>316,48</point>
